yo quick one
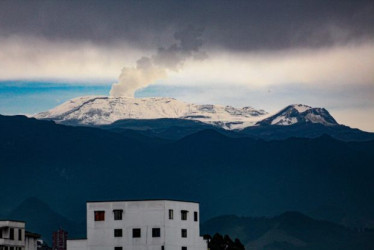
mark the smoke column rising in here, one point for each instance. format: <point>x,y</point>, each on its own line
<point>154,68</point>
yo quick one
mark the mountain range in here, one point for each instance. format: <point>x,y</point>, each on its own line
<point>169,118</point>
<point>101,110</point>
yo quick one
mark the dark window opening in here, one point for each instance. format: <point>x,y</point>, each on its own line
<point>136,233</point>
<point>118,214</point>
<point>1,233</point>
<point>184,248</point>
<point>171,214</point>
<point>117,232</point>
<point>19,234</point>
<point>184,233</point>
<point>11,234</point>
<point>99,215</point>
<point>117,248</point>
<point>156,232</point>
<point>196,216</point>
<point>184,214</point>
<point>162,248</point>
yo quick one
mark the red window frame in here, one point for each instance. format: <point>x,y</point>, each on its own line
<point>99,215</point>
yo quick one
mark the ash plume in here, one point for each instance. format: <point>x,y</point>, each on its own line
<point>153,68</point>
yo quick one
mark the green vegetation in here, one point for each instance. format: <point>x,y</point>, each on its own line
<point>219,242</point>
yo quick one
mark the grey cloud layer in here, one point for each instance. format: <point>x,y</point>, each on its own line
<point>234,25</point>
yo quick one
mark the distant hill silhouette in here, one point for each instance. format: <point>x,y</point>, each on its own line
<point>40,218</point>
<point>167,128</point>
<point>178,128</point>
<point>289,231</point>
<point>307,130</point>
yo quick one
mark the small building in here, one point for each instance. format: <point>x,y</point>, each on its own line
<point>141,225</point>
<point>31,240</point>
<point>59,239</point>
<point>14,237</point>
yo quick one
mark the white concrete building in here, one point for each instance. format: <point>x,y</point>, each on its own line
<point>14,237</point>
<point>31,241</point>
<point>141,225</point>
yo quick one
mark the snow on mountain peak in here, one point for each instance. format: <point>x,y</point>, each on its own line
<point>301,107</point>
<point>100,110</point>
<point>299,113</point>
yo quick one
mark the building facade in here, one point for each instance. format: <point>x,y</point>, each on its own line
<point>14,237</point>
<point>31,240</point>
<point>59,239</point>
<point>141,225</point>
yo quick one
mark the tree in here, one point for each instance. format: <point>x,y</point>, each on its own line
<point>219,242</point>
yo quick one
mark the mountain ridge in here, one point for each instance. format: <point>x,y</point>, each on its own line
<point>290,230</point>
<point>102,110</point>
<point>299,113</point>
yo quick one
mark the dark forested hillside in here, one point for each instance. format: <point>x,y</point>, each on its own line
<point>290,231</point>
<point>178,128</point>
<point>65,166</point>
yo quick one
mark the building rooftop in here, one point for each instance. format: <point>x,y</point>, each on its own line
<point>18,221</point>
<point>33,235</point>
<point>145,200</point>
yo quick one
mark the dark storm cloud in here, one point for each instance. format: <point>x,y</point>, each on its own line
<point>237,25</point>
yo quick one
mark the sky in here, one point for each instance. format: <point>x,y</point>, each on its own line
<point>266,53</point>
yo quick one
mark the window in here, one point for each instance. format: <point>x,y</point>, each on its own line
<point>1,233</point>
<point>117,248</point>
<point>156,232</point>
<point>184,214</point>
<point>19,234</point>
<point>184,233</point>
<point>117,214</point>
<point>162,248</point>
<point>171,214</point>
<point>196,216</point>
<point>136,233</point>
<point>11,234</point>
<point>99,215</point>
<point>184,248</point>
<point>117,232</point>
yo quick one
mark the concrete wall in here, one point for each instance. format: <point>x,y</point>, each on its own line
<point>174,227</point>
<point>76,244</point>
<point>31,243</point>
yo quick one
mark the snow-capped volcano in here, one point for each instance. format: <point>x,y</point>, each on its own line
<point>101,110</point>
<point>299,113</point>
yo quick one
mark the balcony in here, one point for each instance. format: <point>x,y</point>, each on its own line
<point>15,243</point>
